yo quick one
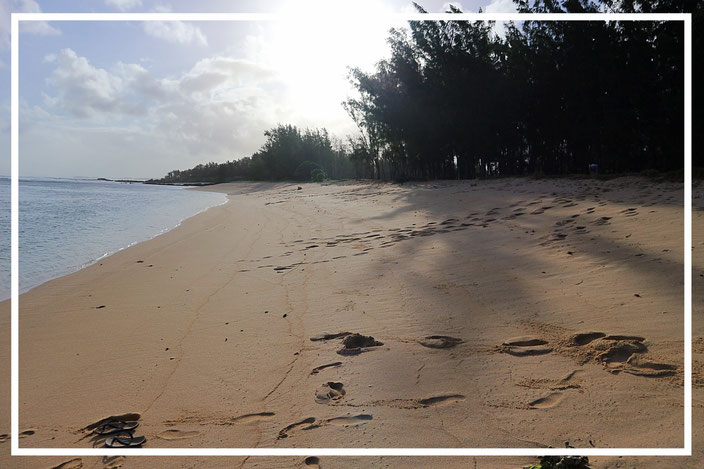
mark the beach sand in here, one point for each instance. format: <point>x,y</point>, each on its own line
<point>507,313</point>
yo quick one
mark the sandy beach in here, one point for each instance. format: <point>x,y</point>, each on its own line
<point>504,313</point>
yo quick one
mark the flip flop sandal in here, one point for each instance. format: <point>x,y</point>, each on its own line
<point>121,442</point>
<point>115,426</point>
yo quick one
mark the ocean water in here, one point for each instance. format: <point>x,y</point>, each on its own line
<point>67,224</point>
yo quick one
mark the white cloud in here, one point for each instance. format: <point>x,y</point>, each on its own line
<point>162,8</point>
<point>175,31</point>
<point>41,28</point>
<point>216,110</point>
<point>124,5</point>
<point>83,90</point>
<point>35,27</point>
<point>500,6</point>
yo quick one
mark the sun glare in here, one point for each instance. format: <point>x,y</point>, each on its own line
<point>317,43</point>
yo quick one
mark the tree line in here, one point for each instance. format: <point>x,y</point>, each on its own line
<point>288,153</point>
<point>456,100</point>
<point>460,99</point>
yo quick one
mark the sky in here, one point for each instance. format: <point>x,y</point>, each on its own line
<point>138,99</point>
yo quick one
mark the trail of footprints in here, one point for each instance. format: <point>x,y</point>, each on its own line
<point>617,353</point>
<point>169,434</point>
<point>211,420</point>
<point>23,434</point>
<point>333,392</point>
<point>364,242</point>
<point>311,423</point>
<point>109,462</point>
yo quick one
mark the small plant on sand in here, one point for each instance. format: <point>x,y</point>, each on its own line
<point>561,462</point>
<point>318,175</point>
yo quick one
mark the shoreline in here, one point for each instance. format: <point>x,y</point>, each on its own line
<point>210,337</point>
<point>226,188</point>
<point>72,270</point>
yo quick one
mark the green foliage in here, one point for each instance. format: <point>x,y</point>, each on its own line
<point>456,100</point>
<point>561,462</point>
<point>305,170</point>
<point>318,175</point>
<point>287,154</point>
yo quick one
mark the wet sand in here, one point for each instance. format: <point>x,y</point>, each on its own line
<point>506,313</point>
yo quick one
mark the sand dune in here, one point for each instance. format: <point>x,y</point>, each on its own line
<point>506,313</point>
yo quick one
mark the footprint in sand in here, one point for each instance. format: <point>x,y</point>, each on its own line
<point>113,462</point>
<point>310,423</point>
<point>318,369</point>
<point>249,418</point>
<point>602,221</point>
<point>583,338</point>
<point>525,341</point>
<point>525,346</point>
<point>630,212</point>
<point>620,353</point>
<point>641,367</point>
<point>635,338</point>
<point>618,350</point>
<point>27,433</point>
<point>547,401</point>
<point>305,424</point>
<point>176,434</point>
<point>419,403</point>
<point>348,420</point>
<point>312,461</point>
<point>569,381</point>
<point>330,391</point>
<point>4,437</point>
<point>439,341</point>
<point>572,375</point>
<point>443,399</point>
<point>76,463</point>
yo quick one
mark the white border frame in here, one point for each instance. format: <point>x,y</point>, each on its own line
<point>14,360</point>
